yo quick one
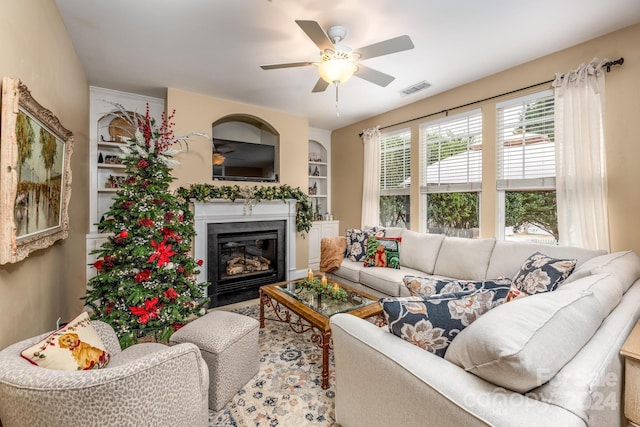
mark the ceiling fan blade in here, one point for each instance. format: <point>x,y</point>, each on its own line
<point>289,65</point>
<point>320,86</point>
<point>374,76</point>
<point>317,35</point>
<point>397,44</point>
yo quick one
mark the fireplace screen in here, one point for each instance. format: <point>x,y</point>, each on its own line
<point>242,256</point>
<point>248,256</point>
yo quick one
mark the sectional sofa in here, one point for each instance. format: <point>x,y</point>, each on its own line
<point>549,359</point>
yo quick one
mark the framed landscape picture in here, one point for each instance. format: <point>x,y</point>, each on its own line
<point>35,174</point>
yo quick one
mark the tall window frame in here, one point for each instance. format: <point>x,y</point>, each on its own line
<point>451,162</point>
<point>395,178</point>
<point>525,164</point>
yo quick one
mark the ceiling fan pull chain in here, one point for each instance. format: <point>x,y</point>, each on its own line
<point>337,110</point>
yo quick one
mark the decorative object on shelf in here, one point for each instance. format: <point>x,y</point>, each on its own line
<point>313,190</point>
<point>207,192</point>
<point>35,180</point>
<point>100,158</point>
<point>314,157</point>
<point>316,172</point>
<point>145,284</point>
<point>122,128</point>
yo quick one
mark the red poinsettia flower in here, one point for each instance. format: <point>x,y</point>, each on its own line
<point>148,312</point>
<point>170,294</point>
<point>142,163</point>
<point>162,253</point>
<point>145,222</point>
<point>98,264</point>
<point>143,276</point>
<point>170,234</point>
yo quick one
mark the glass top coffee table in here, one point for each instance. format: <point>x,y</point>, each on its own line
<point>303,311</point>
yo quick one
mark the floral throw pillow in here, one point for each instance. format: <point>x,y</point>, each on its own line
<point>357,242</point>
<point>383,252</point>
<point>541,273</point>
<point>432,322</point>
<point>74,347</point>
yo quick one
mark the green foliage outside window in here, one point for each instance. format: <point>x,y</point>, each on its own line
<point>538,208</point>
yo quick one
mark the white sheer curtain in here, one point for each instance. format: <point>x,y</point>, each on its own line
<point>371,179</point>
<point>581,179</point>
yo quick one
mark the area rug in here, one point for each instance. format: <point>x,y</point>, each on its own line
<point>286,391</point>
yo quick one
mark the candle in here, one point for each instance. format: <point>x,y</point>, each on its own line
<point>310,275</point>
<point>324,281</point>
<point>335,287</point>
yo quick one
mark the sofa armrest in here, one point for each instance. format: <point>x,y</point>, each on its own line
<point>383,380</point>
<point>107,336</point>
<point>168,387</point>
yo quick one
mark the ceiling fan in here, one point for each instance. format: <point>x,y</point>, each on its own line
<point>339,62</point>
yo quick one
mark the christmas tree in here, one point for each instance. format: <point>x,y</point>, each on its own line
<point>145,281</point>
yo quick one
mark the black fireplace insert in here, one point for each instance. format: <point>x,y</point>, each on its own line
<point>242,256</point>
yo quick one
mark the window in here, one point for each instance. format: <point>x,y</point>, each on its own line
<point>395,178</point>
<point>526,169</point>
<point>451,174</point>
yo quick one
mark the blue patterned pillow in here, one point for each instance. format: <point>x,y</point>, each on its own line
<point>426,286</point>
<point>357,242</point>
<point>432,322</point>
<point>541,273</point>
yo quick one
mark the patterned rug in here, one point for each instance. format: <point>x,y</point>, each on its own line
<point>286,391</point>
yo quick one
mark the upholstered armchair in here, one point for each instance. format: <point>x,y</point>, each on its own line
<point>146,384</point>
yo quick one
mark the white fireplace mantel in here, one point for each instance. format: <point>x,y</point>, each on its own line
<point>225,211</point>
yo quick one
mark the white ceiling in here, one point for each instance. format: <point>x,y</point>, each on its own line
<point>216,47</point>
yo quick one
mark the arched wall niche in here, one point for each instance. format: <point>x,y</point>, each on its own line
<point>244,128</point>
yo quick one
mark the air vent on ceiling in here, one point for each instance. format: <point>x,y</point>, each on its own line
<point>415,88</point>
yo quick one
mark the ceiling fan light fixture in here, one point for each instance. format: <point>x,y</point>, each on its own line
<point>337,67</point>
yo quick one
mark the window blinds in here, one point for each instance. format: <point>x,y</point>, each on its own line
<point>395,163</point>
<point>525,145</point>
<point>451,154</point>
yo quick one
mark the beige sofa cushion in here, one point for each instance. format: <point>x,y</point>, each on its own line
<point>605,287</point>
<point>625,265</point>
<point>349,270</point>
<point>524,343</point>
<point>386,280</point>
<point>507,256</point>
<point>420,250</point>
<point>465,259</point>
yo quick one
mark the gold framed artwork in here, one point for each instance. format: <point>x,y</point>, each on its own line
<point>35,174</point>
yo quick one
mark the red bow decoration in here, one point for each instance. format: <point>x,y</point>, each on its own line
<point>148,312</point>
<point>162,254</point>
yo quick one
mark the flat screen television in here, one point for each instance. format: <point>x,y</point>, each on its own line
<point>243,161</point>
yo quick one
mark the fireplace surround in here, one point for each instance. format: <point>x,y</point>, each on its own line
<point>226,215</point>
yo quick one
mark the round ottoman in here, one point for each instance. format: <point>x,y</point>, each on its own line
<point>229,345</point>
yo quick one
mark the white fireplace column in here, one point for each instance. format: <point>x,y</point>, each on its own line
<point>225,211</point>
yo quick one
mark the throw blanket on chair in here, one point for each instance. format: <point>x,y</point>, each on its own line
<point>332,250</point>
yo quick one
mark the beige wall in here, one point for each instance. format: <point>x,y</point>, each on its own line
<point>622,116</point>
<point>49,283</point>
<point>197,113</point>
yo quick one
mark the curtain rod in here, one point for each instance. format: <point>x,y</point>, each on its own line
<point>606,65</point>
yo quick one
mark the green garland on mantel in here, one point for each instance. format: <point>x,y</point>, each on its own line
<point>251,196</point>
